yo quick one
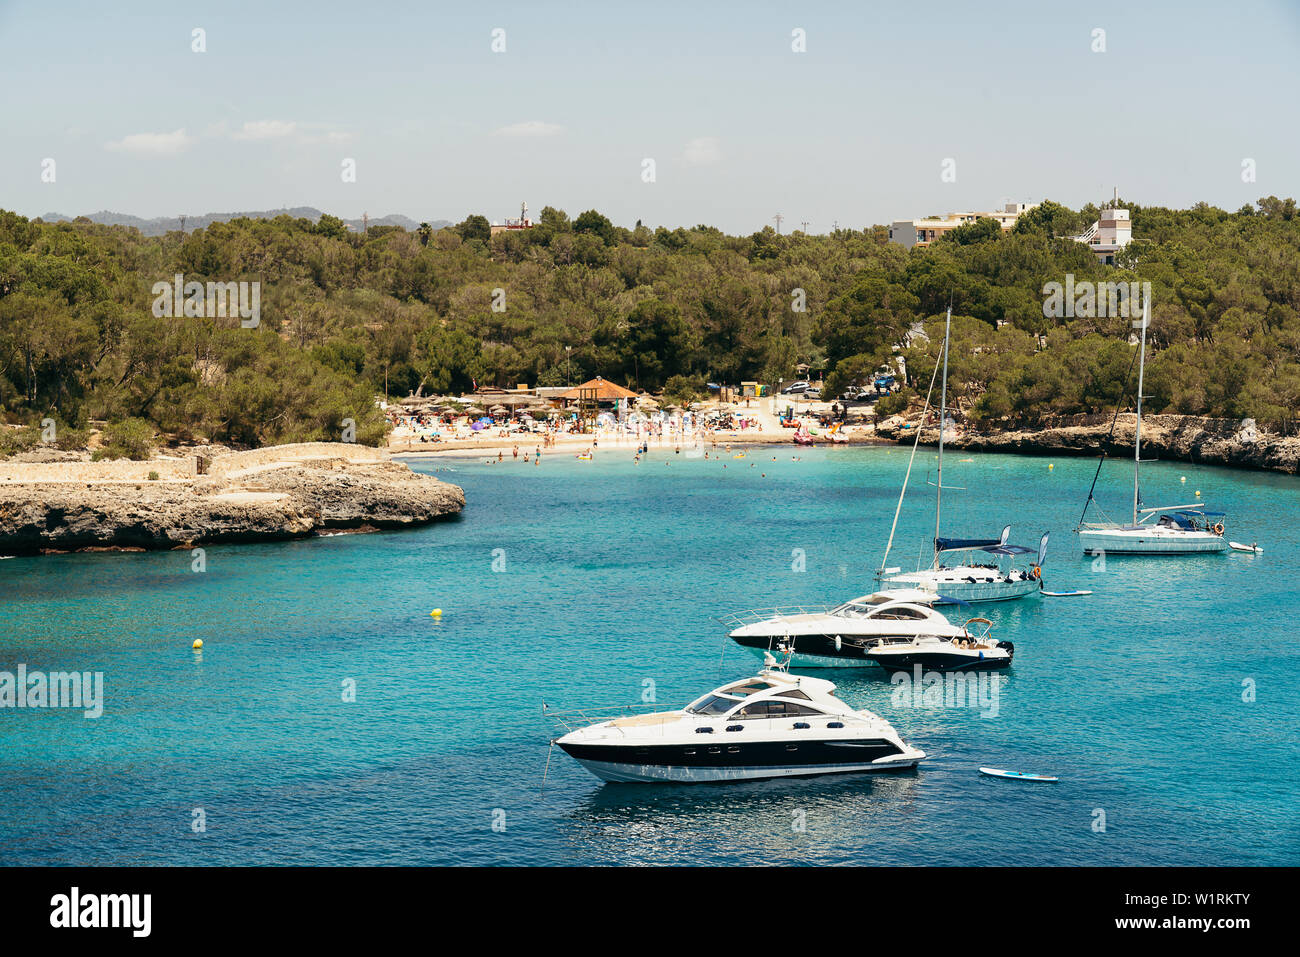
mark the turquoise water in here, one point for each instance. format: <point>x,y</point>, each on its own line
<point>611,573</point>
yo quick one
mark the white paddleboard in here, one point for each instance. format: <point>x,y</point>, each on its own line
<point>1237,546</point>
<point>1064,594</point>
<point>1015,775</point>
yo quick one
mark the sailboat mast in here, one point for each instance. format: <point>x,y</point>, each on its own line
<point>943,415</point>
<point>1137,436</point>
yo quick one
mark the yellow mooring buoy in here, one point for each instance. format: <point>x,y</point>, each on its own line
<point>436,613</point>
<point>198,644</point>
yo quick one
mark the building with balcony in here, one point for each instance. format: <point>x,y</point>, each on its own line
<point>922,232</point>
<point>1110,233</point>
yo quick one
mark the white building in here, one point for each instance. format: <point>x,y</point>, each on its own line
<point>509,225</point>
<point>922,232</point>
<point>1110,233</point>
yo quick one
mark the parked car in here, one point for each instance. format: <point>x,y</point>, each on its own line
<point>812,393</point>
<point>794,388</point>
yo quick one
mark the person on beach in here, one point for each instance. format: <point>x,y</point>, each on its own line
<point>516,452</point>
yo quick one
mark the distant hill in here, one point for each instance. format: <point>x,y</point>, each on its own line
<point>164,224</point>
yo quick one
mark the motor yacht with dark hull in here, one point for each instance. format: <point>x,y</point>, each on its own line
<point>773,725</point>
<point>840,637</point>
<point>974,652</point>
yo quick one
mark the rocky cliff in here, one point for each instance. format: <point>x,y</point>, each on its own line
<point>213,496</point>
<point>1234,442</point>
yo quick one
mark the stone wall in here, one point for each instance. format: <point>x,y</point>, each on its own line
<point>111,470</point>
<point>229,462</point>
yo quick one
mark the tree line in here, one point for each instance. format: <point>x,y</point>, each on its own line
<point>346,316</point>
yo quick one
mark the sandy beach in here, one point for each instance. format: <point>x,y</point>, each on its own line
<point>767,430</point>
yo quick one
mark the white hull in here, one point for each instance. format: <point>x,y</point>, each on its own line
<point>653,774</point>
<point>1150,541</point>
<point>970,592</point>
<point>773,725</point>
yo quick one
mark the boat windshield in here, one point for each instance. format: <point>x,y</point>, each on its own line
<point>712,704</point>
<point>873,609</point>
<point>858,608</point>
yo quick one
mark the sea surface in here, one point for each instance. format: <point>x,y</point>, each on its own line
<point>1167,702</point>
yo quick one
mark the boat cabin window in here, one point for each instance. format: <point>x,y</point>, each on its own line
<point>901,614</point>
<point>774,709</point>
<point>794,693</point>
<point>711,704</point>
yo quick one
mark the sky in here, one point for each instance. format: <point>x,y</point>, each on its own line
<point>1013,101</point>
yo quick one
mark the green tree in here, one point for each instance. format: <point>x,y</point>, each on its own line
<point>475,227</point>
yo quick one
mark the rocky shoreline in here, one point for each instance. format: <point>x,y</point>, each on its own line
<point>209,496</point>
<point>1237,443</point>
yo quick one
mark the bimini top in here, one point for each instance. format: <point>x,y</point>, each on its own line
<point>968,544</point>
<point>1008,550</point>
<point>1200,511</point>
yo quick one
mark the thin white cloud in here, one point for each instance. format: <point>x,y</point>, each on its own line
<point>325,136</point>
<point>265,130</point>
<point>156,144</point>
<point>530,128</point>
<point>704,151</point>
<point>284,130</point>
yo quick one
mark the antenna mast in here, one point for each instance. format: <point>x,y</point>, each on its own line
<point>943,415</point>
<point>1137,435</point>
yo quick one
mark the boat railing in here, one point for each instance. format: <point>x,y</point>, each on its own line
<point>753,616</point>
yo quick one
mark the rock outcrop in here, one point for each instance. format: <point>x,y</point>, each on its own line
<point>1233,442</point>
<point>282,492</point>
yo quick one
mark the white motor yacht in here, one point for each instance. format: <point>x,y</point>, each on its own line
<point>974,652</point>
<point>772,725</point>
<point>840,637</point>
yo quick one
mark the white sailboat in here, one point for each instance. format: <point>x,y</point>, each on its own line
<point>986,570</point>
<point>1167,530</point>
